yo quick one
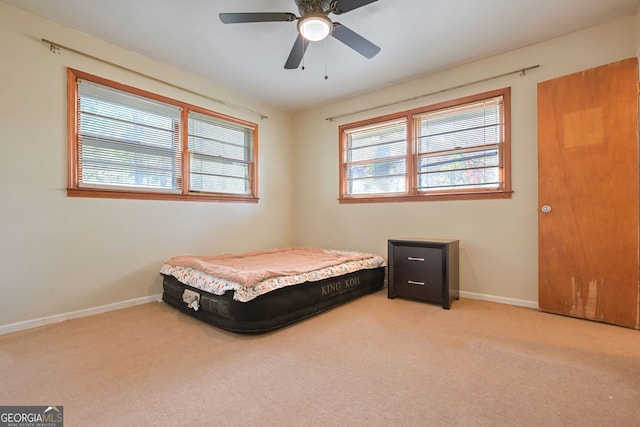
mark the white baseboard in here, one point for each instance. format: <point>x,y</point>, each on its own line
<point>501,300</point>
<point>28,324</point>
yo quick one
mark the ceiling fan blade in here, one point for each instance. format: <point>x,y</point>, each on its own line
<point>239,18</point>
<point>354,40</point>
<point>343,6</point>
<point>297,52</point>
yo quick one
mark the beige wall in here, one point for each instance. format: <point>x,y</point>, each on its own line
<point>498,238</point>
<point>61,254</point>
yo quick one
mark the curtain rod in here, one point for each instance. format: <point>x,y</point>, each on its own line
<point>522,71</point>
<point>55,48</point>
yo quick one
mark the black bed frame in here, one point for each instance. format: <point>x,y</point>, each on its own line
<point>277,308</point>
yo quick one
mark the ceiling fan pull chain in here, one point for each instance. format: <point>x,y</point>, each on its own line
<point>326,58</point>
<point>304,42</point>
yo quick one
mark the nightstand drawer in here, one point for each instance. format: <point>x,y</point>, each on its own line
<point>419,285</point>
<point>416,257</point>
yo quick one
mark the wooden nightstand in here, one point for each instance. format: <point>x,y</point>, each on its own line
<point>424,269</point>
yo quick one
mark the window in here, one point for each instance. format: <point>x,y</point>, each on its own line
<point>454,150</point>
<point>128,143</point>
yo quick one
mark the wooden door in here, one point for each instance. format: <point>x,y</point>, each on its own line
<point>588,194</point>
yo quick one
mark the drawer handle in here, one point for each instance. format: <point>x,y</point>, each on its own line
<point>410,258</point>
<point>411,282</point>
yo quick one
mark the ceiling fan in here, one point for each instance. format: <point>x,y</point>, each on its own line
<point>313,24</point>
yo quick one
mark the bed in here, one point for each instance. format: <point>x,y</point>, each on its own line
<point>259,291</point>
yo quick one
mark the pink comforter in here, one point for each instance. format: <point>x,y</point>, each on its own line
<point>253,267</point>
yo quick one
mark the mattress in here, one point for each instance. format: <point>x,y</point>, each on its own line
<point>271,303</point>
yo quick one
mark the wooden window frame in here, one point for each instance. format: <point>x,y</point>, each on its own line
<point>74,188</point>
<point>504,190</point>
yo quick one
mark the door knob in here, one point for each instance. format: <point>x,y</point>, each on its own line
<point>545,209</point>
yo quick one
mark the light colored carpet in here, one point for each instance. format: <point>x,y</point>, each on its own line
<point>371,362</point>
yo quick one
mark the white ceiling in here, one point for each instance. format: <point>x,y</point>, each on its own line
<point>417,37</point>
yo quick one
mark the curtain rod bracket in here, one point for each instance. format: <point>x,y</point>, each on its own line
<point>53,48</point>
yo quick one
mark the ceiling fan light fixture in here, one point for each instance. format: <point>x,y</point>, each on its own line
<point>314,26</point>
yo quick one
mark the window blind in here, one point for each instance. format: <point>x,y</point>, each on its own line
<point>460,147</point>
<point>125,140</point>
<point>220,155</point>
<point>376,159</point>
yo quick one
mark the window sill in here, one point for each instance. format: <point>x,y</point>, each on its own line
<point>426,198</point>
<point>116,194</point>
